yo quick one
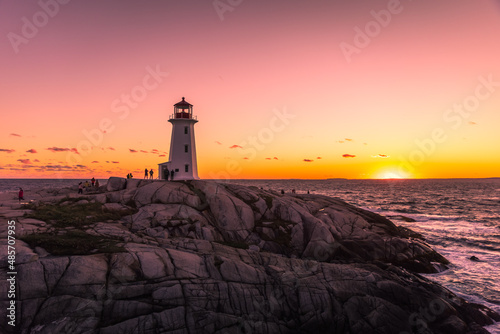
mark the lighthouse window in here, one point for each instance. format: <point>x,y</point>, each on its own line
<point>186,148</point>
<point>186,168</point>
<point>185,130</point>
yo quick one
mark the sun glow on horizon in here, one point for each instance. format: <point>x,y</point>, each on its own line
<point>386,174</point>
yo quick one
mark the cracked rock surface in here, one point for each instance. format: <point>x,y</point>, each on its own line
<point>207,257</point>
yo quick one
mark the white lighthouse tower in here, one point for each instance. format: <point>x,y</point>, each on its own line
<point>182,158</point>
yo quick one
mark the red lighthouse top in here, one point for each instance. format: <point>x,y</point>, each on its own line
<point>183,109</point>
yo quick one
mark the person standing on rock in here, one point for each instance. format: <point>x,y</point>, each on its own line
<point>146,173</point>
<point>172,175</point>
<point>93,182</point>
<point>151,172</point>
<point>21,195</point>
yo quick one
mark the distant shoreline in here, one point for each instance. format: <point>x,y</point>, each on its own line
<point>290,179</point>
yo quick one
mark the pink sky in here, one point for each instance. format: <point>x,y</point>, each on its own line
<point>263,57</point>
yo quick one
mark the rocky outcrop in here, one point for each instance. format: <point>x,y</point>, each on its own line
<point>205,257</point>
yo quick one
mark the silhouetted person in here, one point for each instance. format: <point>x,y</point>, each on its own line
<point>282,192</point>
<point>21,195</point>
<point>146,173</point>
<point>172,175</point>
<point>151,174</point>
<point>93,182</point>
<point>166,174</point>
<point>80,188</point>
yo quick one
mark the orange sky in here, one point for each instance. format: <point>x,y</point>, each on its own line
<point>281,89</point>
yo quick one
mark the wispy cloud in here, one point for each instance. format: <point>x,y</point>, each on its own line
<point>275,158</point>
<point>36,160</point>
<point>24,161</point>
<point>94,162</point>
<point>348,139</point>
<point>384,156</point>
<point>132,150</point>
<point>472,123</point>
<point>143,151</point>
<point>348,156</point>
<point>319,158</point>
<point>268,158</point>
<point>62,149</point>
<point>235,146</point>
<point>162,155</point>
<point>155,151</point>
<point>31,151</point>
<point>308,160</point>
<point>245,158</point>
<point>218,142</point>
<point>15,135</point>
<point>6,150</point>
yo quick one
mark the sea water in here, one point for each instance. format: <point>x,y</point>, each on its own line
<point>459,218</point>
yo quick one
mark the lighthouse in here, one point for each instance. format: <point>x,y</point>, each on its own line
<point>182,158</point>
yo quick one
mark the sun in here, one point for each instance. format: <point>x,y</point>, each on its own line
<point>391,174</point>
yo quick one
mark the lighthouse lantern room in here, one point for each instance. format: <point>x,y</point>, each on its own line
<point>182,158</point>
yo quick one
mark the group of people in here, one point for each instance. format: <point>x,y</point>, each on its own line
<point>93,184</point>
<point>151,173</point>
<point>167,174</point>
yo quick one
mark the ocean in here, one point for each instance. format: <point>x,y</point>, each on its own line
<point>459,218</point>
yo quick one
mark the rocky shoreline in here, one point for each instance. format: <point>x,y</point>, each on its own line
<point>141,256</point>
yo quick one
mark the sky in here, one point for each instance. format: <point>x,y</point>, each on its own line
<point>282,89</point>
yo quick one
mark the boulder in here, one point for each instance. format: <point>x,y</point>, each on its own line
<point>116,183</point>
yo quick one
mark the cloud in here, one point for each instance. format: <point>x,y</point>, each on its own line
<point>36,160</point>
<point>15,135</point>
<point>155,151</point>
<point>365,143</point>
<point>132,150</point>
<point>111,148</point>
<point>94,162</point>
<point>115,162</point>
<point>268,158</point>
<point>235,146</point>
<point>308,160</point>
<point>318,158</point>
<point>340,141</point>
<point>348,156</point>
<point>6,150</point>
<point>144,151</point>
<point>245,158</point>
<point>472,123</point>
<point>24,161</point>
<point>348,139</point>
<point>381,156</point>
<point>218,142</point>
<point>275,158</point>
<point>62,149</point>
<point>31,151</point>
<point>162,155</point>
